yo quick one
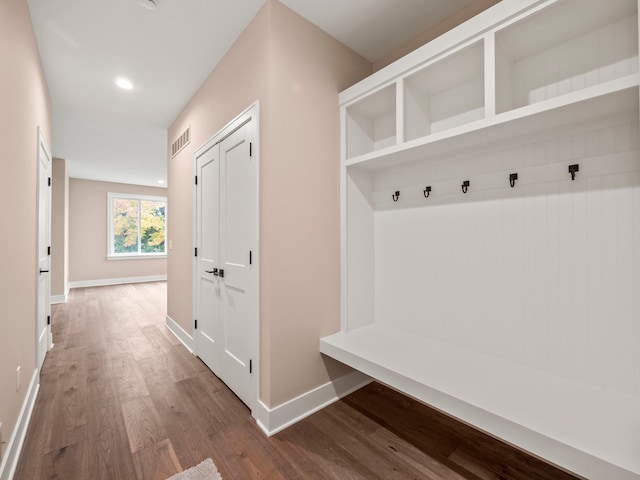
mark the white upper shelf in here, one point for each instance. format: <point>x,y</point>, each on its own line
<point>614,97</point>
<point>494,77</point>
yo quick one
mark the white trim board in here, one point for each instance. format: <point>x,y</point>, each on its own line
<point>116,281</point>
<point>179,332</point>
<point>274,420</point>
<point>60,298</point>
<point>14,447</point>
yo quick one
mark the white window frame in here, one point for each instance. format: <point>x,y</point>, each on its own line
<point>111,255</point>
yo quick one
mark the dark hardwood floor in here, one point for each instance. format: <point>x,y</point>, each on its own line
<point>121,398</point>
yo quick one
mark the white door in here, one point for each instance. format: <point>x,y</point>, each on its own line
<point>43,309</point>
<point>207,257</point>
<point>226,271</point>
<point>238,220</point>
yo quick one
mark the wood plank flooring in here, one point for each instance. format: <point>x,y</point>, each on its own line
<point>121,398</point>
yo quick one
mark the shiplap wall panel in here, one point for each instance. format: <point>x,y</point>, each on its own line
<point>545,275</point>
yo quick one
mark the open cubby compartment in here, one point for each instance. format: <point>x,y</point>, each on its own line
<point>446,93</point>
<point>371,122</point>
<point>564,47</point>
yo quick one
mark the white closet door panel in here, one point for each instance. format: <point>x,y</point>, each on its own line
<point>237,206</point>
<point>238,231</point>
<point>209,201</point>
<point>207,242</point>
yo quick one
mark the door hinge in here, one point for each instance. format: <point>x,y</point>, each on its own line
<point>250,258</point>
<point>250,366</point>
<point>196,251</point>
<point>49,182</point>
<point>251,149</point>
<point>195,324</point>
<point>49,251</point>
<point>196,179</point>
<point>48,319</point>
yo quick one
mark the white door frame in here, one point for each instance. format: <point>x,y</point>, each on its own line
<point>43,345</point>
<point>252,113</point>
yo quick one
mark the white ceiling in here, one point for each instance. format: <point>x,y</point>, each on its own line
<point>110,134</point>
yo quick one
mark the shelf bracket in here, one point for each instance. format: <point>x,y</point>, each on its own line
<point>465,186</point>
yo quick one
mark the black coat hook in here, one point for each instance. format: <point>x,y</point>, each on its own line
<point>572,170</point>
<point>512,179</point>
<point>427,191</point>
<point>465,186</point>
<point>396,196</point>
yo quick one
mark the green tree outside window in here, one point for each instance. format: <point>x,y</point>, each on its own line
<point>138,226</point>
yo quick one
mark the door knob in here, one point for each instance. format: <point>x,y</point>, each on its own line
<point>44,271</point>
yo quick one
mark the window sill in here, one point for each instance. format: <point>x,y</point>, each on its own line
<point>136,257</point>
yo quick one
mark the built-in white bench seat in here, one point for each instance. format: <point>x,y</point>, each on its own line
<point>579,427</point>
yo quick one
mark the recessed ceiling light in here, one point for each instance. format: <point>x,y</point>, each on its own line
<point>124,83</point>
<point>161,182</point>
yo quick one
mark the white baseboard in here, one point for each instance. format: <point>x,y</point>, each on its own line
<point>116,281</point>
<point>60,298</point>
<point>276,419</point>
<point>57,299</point>
<point>186,339</point>
<point>14,447</point>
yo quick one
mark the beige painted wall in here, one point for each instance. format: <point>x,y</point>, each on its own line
<point>59,227</point>
<point>245,68</point>
<point>435,31</point>
<point>296,72</point>
<point>300,221</point>
<point>88,233</point>
<point>25,105</point>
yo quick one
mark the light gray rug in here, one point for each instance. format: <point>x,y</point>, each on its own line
<point>204,471</point>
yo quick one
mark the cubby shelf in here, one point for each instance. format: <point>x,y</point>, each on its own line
<point>609,98</point>
<point>371,122</point>
<point>445,94</point>
<point>511,307</point>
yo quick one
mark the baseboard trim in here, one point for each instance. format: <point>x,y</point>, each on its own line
<point>276,419</point>
<point>186,339</point>
<point>14,447</point>
<point>116,281</point>
<point>60,298</point>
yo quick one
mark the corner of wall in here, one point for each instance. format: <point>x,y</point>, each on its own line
<point>425,37</point>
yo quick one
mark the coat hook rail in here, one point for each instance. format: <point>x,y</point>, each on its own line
<point>396,196</point>
<point>465,186</point>
<point>427,191</point>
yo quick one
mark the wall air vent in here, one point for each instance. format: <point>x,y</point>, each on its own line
<point>182,141</point>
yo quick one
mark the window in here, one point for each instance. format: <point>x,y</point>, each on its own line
<point>137,225</point>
